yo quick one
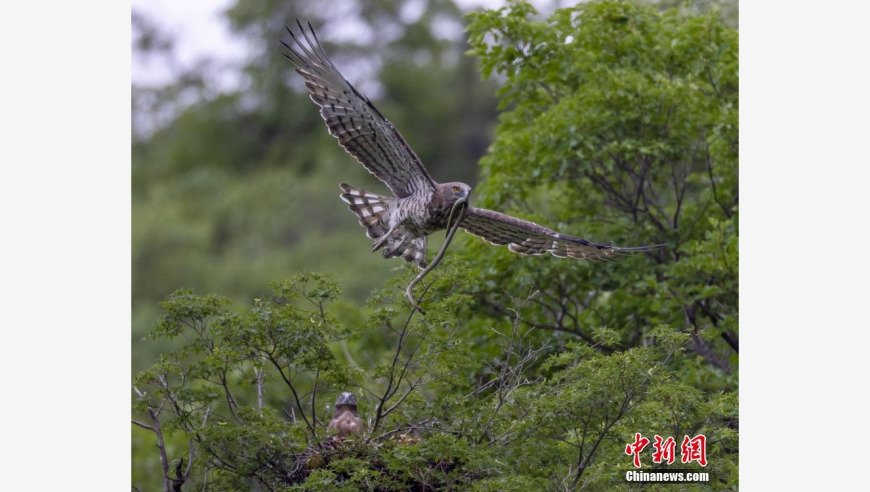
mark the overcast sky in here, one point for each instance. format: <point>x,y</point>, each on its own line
<point>199,31</point>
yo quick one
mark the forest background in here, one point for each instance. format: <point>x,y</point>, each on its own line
<point>66,263</point>
<point>617,119</point>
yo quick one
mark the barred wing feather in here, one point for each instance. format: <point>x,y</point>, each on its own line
<point>529,238</point>
<point>359,127</point>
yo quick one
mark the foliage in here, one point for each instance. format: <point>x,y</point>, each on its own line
<point>526,373</point>
<point>491,427</point>
<point>621,124</point>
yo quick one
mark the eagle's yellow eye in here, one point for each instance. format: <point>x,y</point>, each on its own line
<point>455,189</point>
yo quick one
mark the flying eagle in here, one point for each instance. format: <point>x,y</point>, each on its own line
<point>400,224</point>
<point>345,419</point>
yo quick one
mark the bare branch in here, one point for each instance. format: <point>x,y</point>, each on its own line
<point>295,394</point>
<point>143,425</point>
<point>259,372</point>
<point>313,398</point>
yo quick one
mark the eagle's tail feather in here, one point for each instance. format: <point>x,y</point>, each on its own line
<point>370,208</point>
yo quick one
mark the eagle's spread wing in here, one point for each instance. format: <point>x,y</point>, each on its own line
<point>359,127</point>
<point>529,238</point>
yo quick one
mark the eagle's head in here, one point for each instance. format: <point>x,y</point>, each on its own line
<point>455,191</point>
<point>345,399</point>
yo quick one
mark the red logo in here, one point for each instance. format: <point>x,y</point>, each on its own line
<point>664,450</point>
<point>692,449</point>
<point>635,448</point>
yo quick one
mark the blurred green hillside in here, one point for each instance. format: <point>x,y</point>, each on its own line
<point>240,189</point>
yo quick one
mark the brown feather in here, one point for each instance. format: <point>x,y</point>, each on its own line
<point>351,117</point>
<point>370,208</point>
<point>529,238</point>
<point>400,225</point>
<point>346,422</point>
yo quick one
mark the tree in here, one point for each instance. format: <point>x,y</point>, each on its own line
<point>518,420</point>
<point>619,122</point>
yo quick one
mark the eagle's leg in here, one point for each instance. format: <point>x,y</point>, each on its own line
<point>397,244</point>
<point>383,239</point>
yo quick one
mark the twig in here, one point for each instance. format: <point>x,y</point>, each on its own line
<point>390,391</point>
<point>313,397</point>
<point>260,372</point>
<point>347,355</point>
<point>424,424</point>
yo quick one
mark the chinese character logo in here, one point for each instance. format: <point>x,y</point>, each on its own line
<point>694,449</point>
<point>635,448</point>
<point>664,450</point>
